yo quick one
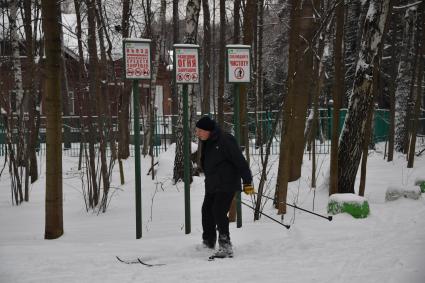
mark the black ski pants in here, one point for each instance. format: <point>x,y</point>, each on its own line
<point>214,214</point>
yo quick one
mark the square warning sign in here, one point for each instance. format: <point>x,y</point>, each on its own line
<point>137,60</point>
<point>238,64</point>
<point>186,65</point>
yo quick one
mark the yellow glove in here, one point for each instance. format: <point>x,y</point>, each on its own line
<point>248,189</point>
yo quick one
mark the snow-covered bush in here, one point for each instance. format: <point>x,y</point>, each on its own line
<point>352,204</point>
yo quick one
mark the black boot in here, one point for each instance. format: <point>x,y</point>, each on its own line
<point>225,247</point>
<point>209,243</point>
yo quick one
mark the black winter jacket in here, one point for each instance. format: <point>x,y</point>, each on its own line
<point>223,163</point>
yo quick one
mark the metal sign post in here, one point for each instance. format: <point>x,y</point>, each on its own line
<point>137,66</point>
<point>186,71</point>
<point>238,70</point>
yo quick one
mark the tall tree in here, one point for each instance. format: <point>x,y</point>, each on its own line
<point>395,54</point>
<point>302,26</point>
<point>404,81</point>
<point>207,58</point>
<point>51,15</point>
<point>93,79</point>
<point>17,141</point>
<point>124,101</point>
<point>418,89</point>
<point>34,113</point>
<point>350,142</point>
<point>248,26</point>
<point>174,100</point>
<point>192,17</point>
<point>337,94</point>
<point>222,44</point>
<point>103,113</point>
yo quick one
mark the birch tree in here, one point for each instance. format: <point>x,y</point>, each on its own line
<point>16,141</point>
<point>350,143</point>
<point>192,17</point>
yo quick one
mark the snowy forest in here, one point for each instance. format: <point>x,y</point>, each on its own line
<point>331,120</point>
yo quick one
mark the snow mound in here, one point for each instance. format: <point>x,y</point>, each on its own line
<point>420,181</point>
<point>394,192</point>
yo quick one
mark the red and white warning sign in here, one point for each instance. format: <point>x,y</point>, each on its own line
<point>186,64</point>
<point>238,64</point>
<point>137,59</point>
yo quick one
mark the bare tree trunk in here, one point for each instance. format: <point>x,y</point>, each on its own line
<point>259,76</point>
<point>318,76</point>
<point>392,90</point>
<point>283,170</point>
<point>236,35</point>
<point>93,95</point>
<point>368,132</point>
<point>418,92</point>
<point>82,78</point>
<point>338,92</point>
<point>174,100</point>
<point>124,102</point>
<point>300,67</point>
<point>207,58</point>
<point>32,95</point>
<point>349,152</point>
<point>192,16</point>
<point>17,69</point>
<point>222,44</point>
<point>249,25</point>
<point>103,113</point>
<point>404,77</point>
<point>54,212</point>
<point>264,170</point>
<point>17,106</point>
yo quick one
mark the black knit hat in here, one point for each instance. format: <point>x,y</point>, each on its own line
<point>206,123</point>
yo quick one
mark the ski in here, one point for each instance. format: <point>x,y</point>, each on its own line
<point>149,264</point>
<point>139,261</point>
<point>213,257</point>
<point>128,261</point>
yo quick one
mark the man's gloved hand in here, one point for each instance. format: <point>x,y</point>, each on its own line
<point>248,189</point>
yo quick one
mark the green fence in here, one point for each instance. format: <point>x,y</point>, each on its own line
<point>380,125</point>
<point>256,121</point>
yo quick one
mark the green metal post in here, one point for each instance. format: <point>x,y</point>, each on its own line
<point>186,145</point>
<point>238,139</point>
<point>137,159</point>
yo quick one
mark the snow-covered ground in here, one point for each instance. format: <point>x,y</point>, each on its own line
<point>388,246</point>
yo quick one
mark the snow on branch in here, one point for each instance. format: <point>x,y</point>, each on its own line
<point>407,6</point>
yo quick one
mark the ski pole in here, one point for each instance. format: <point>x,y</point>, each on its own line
<point>269,217</point>
<point>297,207</point>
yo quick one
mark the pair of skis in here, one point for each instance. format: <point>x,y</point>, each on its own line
<point>139,261</point>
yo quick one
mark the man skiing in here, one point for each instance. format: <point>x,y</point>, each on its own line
<point>224,166</point>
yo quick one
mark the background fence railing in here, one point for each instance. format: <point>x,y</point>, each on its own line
<point>74,126</point>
